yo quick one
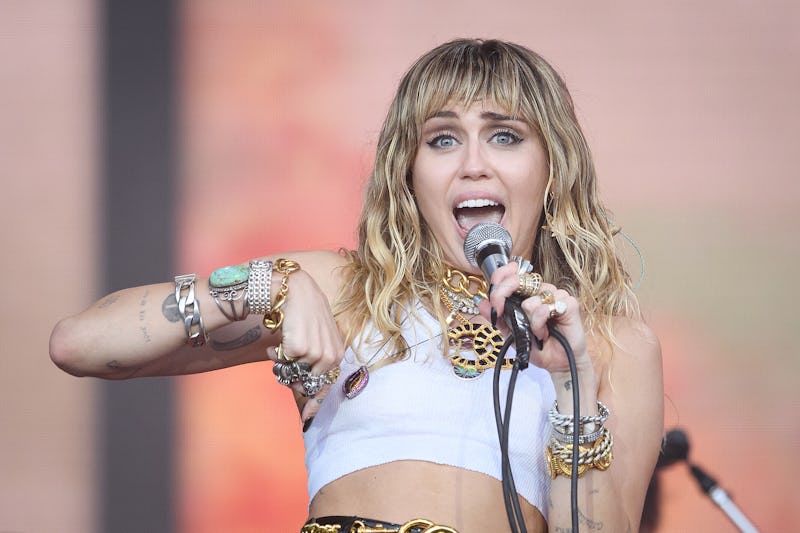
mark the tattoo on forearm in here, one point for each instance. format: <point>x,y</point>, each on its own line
<point>142,304</point>
<point>595,525</point>
<point>568,384</point>
<point>249,337</point>
<point>108,301</point>
<point>114,364</point>
<point>588,522</point>
<point>145,334</point>
<point>169,308</point>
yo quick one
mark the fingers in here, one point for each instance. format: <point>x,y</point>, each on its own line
<point>551,305</point>
<point>542,302</point>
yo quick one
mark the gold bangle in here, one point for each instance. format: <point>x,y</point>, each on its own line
<point>273,319</point>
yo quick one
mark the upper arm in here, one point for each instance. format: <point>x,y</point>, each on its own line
<point>632,388</point>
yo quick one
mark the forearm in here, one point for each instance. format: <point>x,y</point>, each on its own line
<point>598,498</point>
<point>140,331</point>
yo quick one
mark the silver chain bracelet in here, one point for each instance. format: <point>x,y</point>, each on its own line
<point>189,309</point>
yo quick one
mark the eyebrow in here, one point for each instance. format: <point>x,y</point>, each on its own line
<point>488,115</point>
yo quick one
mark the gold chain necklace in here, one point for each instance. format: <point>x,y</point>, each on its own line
<point>483,340</point>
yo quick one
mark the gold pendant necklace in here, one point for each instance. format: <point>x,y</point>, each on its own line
<point>483,340</point>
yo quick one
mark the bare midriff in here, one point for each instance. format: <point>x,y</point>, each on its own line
<point>402,490</point>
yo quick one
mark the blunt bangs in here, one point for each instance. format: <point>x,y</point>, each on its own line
<point>469,72</point>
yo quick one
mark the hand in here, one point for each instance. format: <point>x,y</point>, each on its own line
<point>552,357</point>
<point>309,334</point>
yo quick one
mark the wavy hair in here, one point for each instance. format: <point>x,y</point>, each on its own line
<point>398,260</point>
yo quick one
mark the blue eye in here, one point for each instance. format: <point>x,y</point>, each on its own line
<point>442,141</point>
<point>506,138</point>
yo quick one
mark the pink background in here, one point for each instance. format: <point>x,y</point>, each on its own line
<point>691,112</point>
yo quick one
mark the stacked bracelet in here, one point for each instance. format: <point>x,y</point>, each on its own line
<point>189,309</point>
<point>228,286</point>
<point>598,455</point>
<point>273,316</point>
<point>594,442</point>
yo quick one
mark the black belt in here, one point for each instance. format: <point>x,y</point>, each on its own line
<point>356,524</point>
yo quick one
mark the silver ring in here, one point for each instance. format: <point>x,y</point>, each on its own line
<point>313,384</point>
<point>525,266</point>
<point>288,373</point>
<point>557,308</point>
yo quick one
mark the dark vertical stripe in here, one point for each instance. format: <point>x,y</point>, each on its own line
<point>140,167</point>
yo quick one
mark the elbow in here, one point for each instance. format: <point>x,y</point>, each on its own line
<point>64,351</point>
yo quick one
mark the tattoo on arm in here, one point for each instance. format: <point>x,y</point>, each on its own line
<point>249,337</point>
<point>568,384</point>
<point>108,301</point>
<point>588,522</point>
<point>583,519</point>
<point>169,308</point>
<point>114,364</point>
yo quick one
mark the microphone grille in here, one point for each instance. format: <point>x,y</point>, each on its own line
<point>483,234</point>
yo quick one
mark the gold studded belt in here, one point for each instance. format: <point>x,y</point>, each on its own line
<point>355,524</point>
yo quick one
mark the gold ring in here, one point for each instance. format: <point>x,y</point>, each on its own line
<point>529,284</point>
<point>333,374</point>
<point>282,356</point>
<point>547,297</point>
<point>557,308</point>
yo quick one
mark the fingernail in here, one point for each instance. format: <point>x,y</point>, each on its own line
<point>494,317</point>
<point>307,424</point>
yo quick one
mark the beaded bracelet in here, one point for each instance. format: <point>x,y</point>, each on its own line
<point>273,317</point>
<point>189,309</point>
<point>259,285</point>
<point>582,439</point>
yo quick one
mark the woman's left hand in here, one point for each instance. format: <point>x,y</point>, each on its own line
<point>563,311</point>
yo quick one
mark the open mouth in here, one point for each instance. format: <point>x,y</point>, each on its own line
<point>471,212</point>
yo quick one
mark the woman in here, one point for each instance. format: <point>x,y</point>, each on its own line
<point>385,347</point>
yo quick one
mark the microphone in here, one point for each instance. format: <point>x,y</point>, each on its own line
<point>676,448</point>
<point>488,247</point>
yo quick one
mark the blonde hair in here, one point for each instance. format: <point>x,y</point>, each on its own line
<point>398,260</point>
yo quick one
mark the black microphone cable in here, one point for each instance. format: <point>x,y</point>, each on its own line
<point>503,422</point>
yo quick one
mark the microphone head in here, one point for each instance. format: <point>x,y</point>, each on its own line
<point>675,448</point>
<point>484,234</point>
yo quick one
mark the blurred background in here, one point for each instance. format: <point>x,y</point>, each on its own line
<point>139,140</point>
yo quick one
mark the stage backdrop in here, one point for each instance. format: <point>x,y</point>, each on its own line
<point>690,113</point>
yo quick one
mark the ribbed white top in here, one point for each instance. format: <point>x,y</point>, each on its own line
<point>419,409</point>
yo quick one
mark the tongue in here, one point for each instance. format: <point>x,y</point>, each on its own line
<point>467,217</point>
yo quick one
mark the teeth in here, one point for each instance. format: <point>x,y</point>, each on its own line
<point>479,202</point>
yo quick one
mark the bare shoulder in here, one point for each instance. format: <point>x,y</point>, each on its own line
<point>635,338</point>
<point>634,356</point>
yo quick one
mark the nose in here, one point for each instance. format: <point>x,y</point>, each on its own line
<point>474,164</point>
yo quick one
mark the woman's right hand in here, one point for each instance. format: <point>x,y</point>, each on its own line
<point>310,335</point>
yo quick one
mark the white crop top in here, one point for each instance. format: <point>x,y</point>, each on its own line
<point>418,409</point>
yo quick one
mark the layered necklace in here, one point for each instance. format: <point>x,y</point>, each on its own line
<point>475,347</point>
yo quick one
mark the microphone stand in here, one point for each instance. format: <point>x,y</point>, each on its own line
<point>709,485</point>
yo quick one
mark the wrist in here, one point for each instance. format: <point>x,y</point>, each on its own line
<point>588,387</point>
